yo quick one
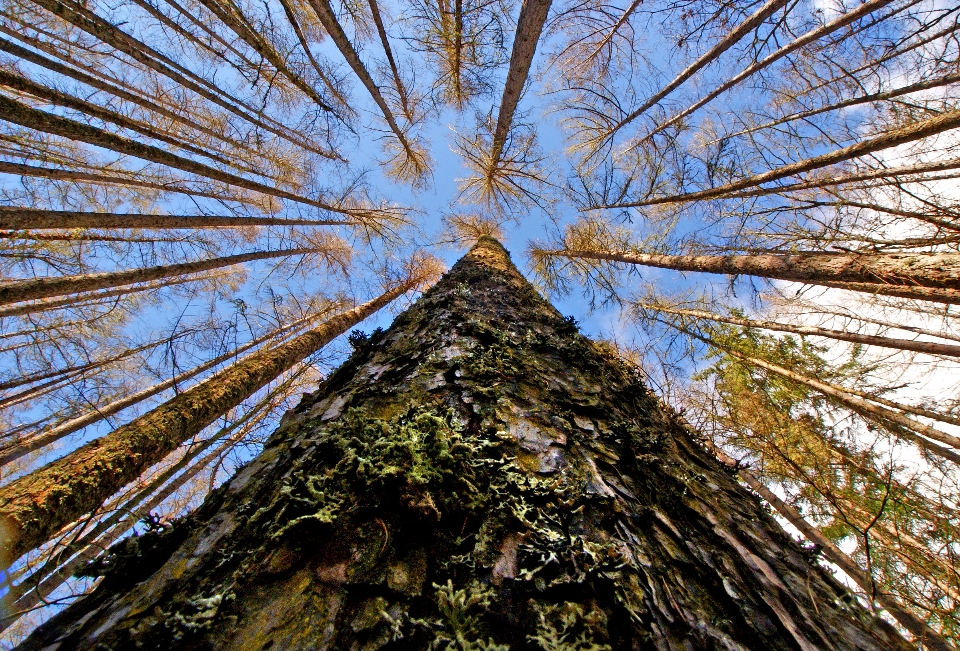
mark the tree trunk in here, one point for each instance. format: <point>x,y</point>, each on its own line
<point>25,116</point>
<point>892,138</point>
<point>35,507</point>
<point>29,290</point>
<point>888,602</point>
<point>16,218</point>
<point>479,476</point>
<point>533,15</point>
<point>859,272</point>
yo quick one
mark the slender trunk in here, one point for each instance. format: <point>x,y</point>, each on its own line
<point>533,15</point>
<point>13,111</point>
<point>903,427</point>
<point>28,290</point>
<point>328,19</point>
<point>892,138</point>
<point>86,300</point>
<point>947,296</point>
<point>82,368</point>
<point>35,507</point>
<point>732,37</point>
<point>28,444</point>
<point>928,347</point>
<point>55,174</point>
<point>57,98</point>
<point>888,602</point>
<point>849,270</point>
<point>810,37</point>
<point>887,324</point>
<point>305,46</point>
<point>479,476</point>
<point>20,218</point>
<point>827,179</point>
<point>229,16</point>
<point>388,51</point>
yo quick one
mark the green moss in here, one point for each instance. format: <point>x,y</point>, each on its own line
<point>566,627</point>
<point>461,625</point>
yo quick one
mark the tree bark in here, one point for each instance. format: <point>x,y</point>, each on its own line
<point>479,476</point>
<point>843,270</point>
<point>533,15</point>
<point>18,218</point>
<point>28,290</point>
<point>35,507</point>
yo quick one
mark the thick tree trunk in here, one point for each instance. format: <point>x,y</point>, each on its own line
<point>479,476</point>
<point>35,507</point>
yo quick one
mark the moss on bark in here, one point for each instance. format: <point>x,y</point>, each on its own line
<point>479,476</point>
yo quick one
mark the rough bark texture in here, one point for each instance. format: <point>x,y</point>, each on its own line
<point>479,476</point>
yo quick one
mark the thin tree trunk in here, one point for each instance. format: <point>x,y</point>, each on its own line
<point>892,138</point>
<point>13,111</point>
<point>810,37</point>
<point>86,300</point>
<point>928,347</point>
<point>57,98</point>
<point>28,290</point>
<point>92,81</point>
<point>849,270</point>
<point>229,16</point>
<point>533,15</point>
<point>830,180</point>
<point>55,174</point>
<point>732,37</point>
<point>28,444</point>
<point>19,218</point>
<point>947,296</point>
<point>81,368</point>
<point>888,602</point>
<point>333,28</point>
<point>431,479</point>
<point>35,507</point>
<point>388,51</point>
<point>324,77</point>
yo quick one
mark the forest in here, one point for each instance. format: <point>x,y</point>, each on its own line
<point>208,206</point>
